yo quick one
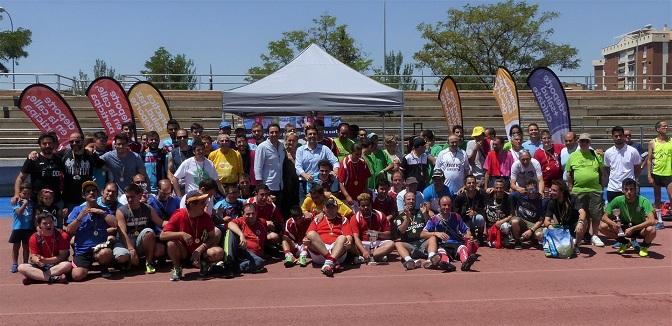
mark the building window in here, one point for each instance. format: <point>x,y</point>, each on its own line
<point>644,69</point>
<point>644,83</point>
<point>644,48</point>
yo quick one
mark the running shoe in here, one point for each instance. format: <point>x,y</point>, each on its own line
<point>15,268</point>
<point>518,245</point>
<point>105,272</point>
<point>204,268</point>
<point>328,268</point>
<point>60,279</point>
<point>358,260</point>
<point>623,248</point>
<point>289,261</point>
<point>596,241</point>
<point>644,251</point>
<point>616,245</point>
<point>303,260</point>
<point>466,265</point>
<point>660,226</point>
<point>409,264</point>
<point>176,274</point>
<point>149,268</point>
<point>26,281</point>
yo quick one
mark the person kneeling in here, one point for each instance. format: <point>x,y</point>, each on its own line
<point>49,251</point>
<point>191,236</point>
<point>632,218</point>
<point>328,237</point>
<point>245,242</point>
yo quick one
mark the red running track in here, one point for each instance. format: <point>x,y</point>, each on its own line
<point>508,287</point>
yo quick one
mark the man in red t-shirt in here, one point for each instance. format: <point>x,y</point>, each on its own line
<point>383,201</point>
<point>245,241</point>
<point>548,156</point>
<point>293,239</point>
<point>266,209</point>
<point>328,237</point>
<point>190,234</point>
<point>370,232</point>
<point>353,174</point>
<point>49,251</point>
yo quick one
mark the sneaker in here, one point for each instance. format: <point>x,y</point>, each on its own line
<point>616,245</point>
<point>176,274</point>
<point>595,240</point>
<point>289,261</point>
<point>149,268</point>
<point>660,226</point>
<point>61,279</point>
<point>303,260</point>
<point>447,266</point>
<point>518,245</point>
<point>409,265</point>
<point>204,268</point>
<point>634,244</point>
<point>105,273</point>
<point>623,248</point>
<point>436,259</point>
<point>328,268</point>
<point>26,281</point>
<point>466,265</point>
<point>358,260</point>
<point>15,268</point>
<point>644,251</point>
<point>418,263</point>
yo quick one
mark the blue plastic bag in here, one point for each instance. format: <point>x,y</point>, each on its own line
<point>558,243</point>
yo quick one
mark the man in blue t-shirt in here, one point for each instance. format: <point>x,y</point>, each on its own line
<point>88,223</point>
<point>164,203</point>
<point>436,190</point>
<point>446,233</point>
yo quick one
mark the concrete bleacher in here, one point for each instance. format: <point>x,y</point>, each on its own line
<point>591,111</point>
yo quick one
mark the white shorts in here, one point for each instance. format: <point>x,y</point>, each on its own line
<point>319,259</point>
<point>298,248</point>
<point>378,243</point>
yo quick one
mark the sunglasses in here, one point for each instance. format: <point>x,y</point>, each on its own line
<point>75,142</point>
<point>182,137</point>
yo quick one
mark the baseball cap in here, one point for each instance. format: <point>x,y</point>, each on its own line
<point>224,125</point>
<point>418,142</point>
<point>411,180</point>
<point>331,202</point>
<point>89,184</point>
<point>584,136</point>
<point>372,135</point>
<point>194,196</point>
<point>438,173</point>
<point>477,131</point>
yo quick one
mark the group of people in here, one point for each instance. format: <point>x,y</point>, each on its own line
<point>228,206</point>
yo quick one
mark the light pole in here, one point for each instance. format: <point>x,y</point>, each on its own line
<point>11,24</point>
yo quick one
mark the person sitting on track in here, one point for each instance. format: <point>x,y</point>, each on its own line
<point>329,237</point>
<point>406,230</point>
<point>366,222</point>
<point>528,215</point>
<point>49,251</point>
<point>191,236</point>
<point>89,223</point>
<point>293,239</point>
<point>245,241</point>
<point>448,235</point>
<point>636,220</point>
<point>562,211</point>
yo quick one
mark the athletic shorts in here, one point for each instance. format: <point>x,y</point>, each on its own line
<point>592,202</point>
<point>139,249</point>
<point>20,235</point>
<point>319,259</point>
<point>662,180</point>
<point>417,249</point>
<point>368,244</point>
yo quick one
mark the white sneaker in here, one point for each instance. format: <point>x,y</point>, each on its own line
<point>596,241</point>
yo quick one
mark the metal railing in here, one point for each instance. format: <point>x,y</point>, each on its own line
<point>429,83</point>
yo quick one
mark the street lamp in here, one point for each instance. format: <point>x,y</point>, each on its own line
<point>11,23</point>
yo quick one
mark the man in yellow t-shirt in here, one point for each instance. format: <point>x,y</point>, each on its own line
<point>659,161</point>
<point>228,163</point>
<point>314,202</point>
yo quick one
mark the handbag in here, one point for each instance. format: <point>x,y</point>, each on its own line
<point>558,243</point>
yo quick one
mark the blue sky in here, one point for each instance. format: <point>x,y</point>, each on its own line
<point>230,35</point>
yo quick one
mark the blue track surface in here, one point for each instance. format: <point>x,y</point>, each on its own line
<point>6,210</point>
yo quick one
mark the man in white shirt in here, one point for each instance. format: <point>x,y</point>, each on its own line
<point>621,161</point>
<point>571,144</point>
<point>524,170</point>
<point>454,163</point>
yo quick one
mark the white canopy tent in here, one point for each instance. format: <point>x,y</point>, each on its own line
<point>314,82</point>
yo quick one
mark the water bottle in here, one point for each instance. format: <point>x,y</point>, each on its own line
<point>617,216</point>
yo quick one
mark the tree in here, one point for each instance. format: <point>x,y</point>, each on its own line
<point>101,69</point>
<point>170,72</point>
<point>476,40</point>
<point>393,75</point>
<point>333,38</point>
<point>12,46</point>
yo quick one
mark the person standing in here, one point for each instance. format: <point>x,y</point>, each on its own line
<point>454,163</point>
<point>45,172</point>
<point>227,162</point>
<point>417,163</point>
<point>477,150</point>
<point>548,156</point>
<point>534,141</point>
<point>195,169</point>
<point>584,177</point>
<point>659,161</point>
<point>122,163</point>
<point>268,162</point>
<point>154,158</point>
<point>498,165</point>
<point>571,144</point>
<point>621,161</point>
<point>307,158</point>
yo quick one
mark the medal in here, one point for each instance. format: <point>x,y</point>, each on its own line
<point>95,233</point>
<point>121,179</point>
<point>136,233</point>
<point>76,177</point>
<point>331,234</point>
<point>197,241</point>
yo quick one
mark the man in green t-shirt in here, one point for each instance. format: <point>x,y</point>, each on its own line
<point>629,216</point>
<point>376,159</point>
<point>584,178</point>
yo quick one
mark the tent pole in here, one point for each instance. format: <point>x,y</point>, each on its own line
<point>401,143</point>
